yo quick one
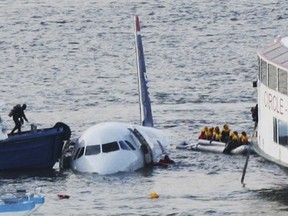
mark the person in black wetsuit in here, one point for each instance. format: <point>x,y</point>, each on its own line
<point>17,113</point>
<point>254,112</point>
<point>233,143</point>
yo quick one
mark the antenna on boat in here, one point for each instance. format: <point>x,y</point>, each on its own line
<point>245,167</point>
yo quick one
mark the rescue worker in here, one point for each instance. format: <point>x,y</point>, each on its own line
<point>17,113</point>
<point>233,143</point>
<point>254,112</point>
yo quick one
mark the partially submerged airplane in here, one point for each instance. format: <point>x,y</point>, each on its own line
<point>113,147</point>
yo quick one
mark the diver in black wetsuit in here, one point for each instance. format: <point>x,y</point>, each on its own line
<point>18,115</point>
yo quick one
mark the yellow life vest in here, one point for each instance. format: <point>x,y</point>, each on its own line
<point>217,136</point>
<point>234,137</point>
<point>244,139</point>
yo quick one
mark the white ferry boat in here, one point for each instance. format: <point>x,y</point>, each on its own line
<point>272,84</point>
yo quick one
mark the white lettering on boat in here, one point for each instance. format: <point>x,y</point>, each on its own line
<point>273,102</point>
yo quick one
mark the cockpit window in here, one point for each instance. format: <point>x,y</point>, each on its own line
<point>130,145</point>
<point>109,147</point>
<point>92,150</point>
<point>124,146</point>
<point>78,153</point>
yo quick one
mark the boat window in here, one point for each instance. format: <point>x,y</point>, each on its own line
<point>109,147</point>
<point>272,77</point>
<point>130,145</point>
<point>92,150</point>
<point>282,81</point>
<point>263,72</point>
<point>80,153</point>
<point>275,133</point>
<point>259,68</point>
<point>283,132</point>
<point>124,146</point>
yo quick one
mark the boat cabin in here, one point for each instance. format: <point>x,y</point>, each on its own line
<point>273,101</point>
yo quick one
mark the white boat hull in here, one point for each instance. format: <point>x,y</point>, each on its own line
<point>214,147</point>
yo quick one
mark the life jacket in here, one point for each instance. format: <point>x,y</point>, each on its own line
<point>244,139</point>
<point>217,136</point>
<point>234,137</point>
<point>207,134</point>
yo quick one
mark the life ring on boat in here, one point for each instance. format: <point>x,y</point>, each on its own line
<point>66,130</point>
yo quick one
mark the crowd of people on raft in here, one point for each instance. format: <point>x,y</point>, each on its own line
<point>231,138</point>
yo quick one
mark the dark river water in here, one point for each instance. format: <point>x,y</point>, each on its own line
<point>74,61</point>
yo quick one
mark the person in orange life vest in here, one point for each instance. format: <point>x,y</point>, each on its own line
<point>244,138</point>
<point>234,136</point>
<point>217,134</point>
<point>225,133</point>
<point>205,133</point>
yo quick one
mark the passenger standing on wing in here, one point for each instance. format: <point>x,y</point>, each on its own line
<point>18,115</point>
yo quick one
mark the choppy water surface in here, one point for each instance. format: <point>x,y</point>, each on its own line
<point>74,61</point>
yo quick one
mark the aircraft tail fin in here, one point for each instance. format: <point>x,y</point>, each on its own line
<point>144,99</point>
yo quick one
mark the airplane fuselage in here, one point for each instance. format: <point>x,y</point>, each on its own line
<point>113,147</point>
